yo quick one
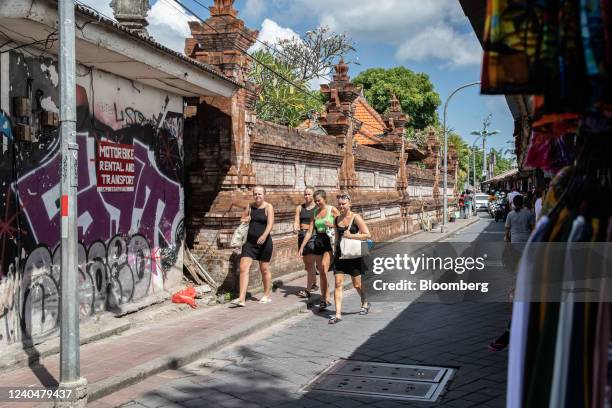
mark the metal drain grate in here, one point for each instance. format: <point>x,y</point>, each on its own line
<point>382,380</point>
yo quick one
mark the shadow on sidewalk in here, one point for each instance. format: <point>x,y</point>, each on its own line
<point>433,334</point>
<point>453,336</point>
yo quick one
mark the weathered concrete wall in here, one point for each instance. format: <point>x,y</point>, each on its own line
<point>130,242</point>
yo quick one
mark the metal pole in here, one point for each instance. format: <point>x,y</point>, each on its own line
<point>474,157</point>
<point>484,156</point>
<point>69,310</point>
<point>468,166</point>
<point>474,160</point>
<point>445,211</point>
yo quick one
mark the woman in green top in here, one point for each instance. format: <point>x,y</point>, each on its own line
<point>322,225</point>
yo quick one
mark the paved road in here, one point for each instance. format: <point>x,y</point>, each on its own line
<point>270,368</point>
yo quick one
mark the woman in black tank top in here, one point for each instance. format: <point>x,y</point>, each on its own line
<point>303,216</point>
<point>258,245</point>
<point>348,225</point>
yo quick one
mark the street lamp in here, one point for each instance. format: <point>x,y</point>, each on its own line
<point>484,133</point>
<point>445,212</point>
<point>473,151</point>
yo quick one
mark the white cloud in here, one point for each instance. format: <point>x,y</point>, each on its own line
<point>168,24</point>
<point>253,9</point>
<point>167,21</point>
<point>101,6</point>
<point>441,43</point>
<point>271,33</point>
<point>421,30</point>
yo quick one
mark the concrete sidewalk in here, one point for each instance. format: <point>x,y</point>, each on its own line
<point>133,355</point>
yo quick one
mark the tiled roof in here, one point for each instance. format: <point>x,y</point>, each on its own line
<point>372,126</point>
<point>372,123</point>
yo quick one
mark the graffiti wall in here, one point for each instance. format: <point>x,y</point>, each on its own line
<point>130,195</point>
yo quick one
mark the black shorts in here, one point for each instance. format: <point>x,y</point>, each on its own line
<point>354,267</point>
<point>261,253</point>
<point>322,244</point>
<point>309,247</point>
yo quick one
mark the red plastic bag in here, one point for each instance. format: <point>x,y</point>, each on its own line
<point>186,295</point>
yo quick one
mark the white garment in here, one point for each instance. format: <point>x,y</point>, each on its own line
<point>511,196</point>
<point>520,323</point>
<point>538,208</point>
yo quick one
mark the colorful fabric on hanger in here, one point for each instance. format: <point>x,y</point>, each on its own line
<point>511,44</point>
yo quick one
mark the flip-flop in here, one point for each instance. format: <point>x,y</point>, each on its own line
<point>323,306</point>
<point>497,346</point>
<point>265,299</point>
<point>365,310</point>
<point>238,302</point>
<point>334,320</point>
<point>304,294</point>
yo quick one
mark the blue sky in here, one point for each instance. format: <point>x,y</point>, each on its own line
<point>430,36</point>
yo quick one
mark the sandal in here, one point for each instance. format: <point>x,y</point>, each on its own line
<point>323,306</point>
<point>314,287</point>
<point>265,299</point>
<point>237,302</point>
<point>365,309</point>
<point>334,320</point>
<point>501,342</point>
<point>304,294</point>
<point>497,346</point>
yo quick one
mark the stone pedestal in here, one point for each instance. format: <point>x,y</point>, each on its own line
<point>78,394</point>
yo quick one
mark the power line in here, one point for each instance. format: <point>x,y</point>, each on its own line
<point>277,74</point>
<point>265,44</point>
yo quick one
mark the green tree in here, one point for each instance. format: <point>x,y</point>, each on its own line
<point>414,90</point>
<point>284,101</point>
<point>463,156</point>
<point>502,163</point>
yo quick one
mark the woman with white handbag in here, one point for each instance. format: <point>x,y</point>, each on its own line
<point>352,233</point>
<point>258,246</point>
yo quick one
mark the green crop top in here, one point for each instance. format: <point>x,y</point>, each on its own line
<point>319,223</point>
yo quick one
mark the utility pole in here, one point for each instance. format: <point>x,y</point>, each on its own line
<point>70,377</point>
<point>483,133</point>
<point>445,207</point>
<point>484,158</point>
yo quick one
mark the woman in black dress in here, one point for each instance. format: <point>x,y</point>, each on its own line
<point>258,246</point>
<point>357,229</point>
<point>301,223</point>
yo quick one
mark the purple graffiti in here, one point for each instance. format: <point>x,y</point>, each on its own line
<point>153,206</point>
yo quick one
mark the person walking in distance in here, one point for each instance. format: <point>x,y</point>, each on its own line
<point>467,198</point>
<point>519,224</point>
<point>511,196</point>
<point>348,226</point>
<point>303,216</point>
<point>322,226</point>
<point>258,246</point>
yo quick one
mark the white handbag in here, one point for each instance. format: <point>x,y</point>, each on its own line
<point>240,234</point>
<point>352,248</point>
